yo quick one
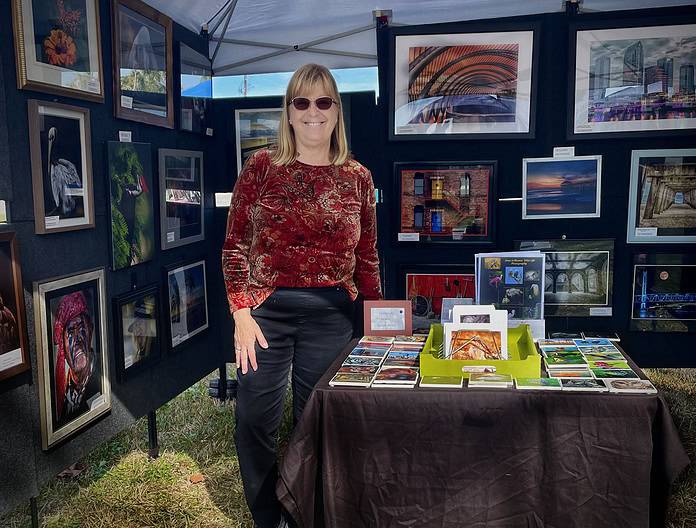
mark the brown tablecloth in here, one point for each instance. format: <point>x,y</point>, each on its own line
<point>479,458</point>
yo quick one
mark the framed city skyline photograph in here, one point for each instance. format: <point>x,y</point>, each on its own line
<point>58,47</point>
<point>628,80</point>
<point>60,144</point>
<point>187,299</point>
<point>72,351</point>
<point>256,129</point>
<point>554,188</point>
<point>662,199</point>
<point>472,84</point>
<point>196,90</point>
<point>142,63</point>
<point>446,201</point>
<point>14,346</point>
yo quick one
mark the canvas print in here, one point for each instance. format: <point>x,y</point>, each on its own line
<point>256,129</point>
<point>463,83</point>
<point>73,366</point>
<point>555,188</point>
<point>664,294</point>
<point>446,201</point>
<point>662,201</point>
<point>579,276</point>
<point>132,211</point>
<point>61,163</point>
<point>638,79</point>
<point>58,48</point>
<point>188,302</point>
<point>14,348</point>
<point>196,91</point>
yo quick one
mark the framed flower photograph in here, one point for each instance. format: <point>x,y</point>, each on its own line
<point>472,84</point>
<point>662,199</point>
<point>60,143</point>
<point>181,197</point>
<point>447,201</point>
<point>188,301</point>
<point>142,63</point>
<point>72,353</point>
<point>58,47</point>
<point>196,91</point>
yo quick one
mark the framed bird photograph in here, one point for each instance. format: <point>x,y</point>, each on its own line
<point>61,166</point>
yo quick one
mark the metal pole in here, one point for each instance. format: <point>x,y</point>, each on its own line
<point>34,512</point>
<point>222,383</point>
<point>153,452</point>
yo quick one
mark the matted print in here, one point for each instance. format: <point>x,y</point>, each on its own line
<point>446,201</point>
<point>196,91</point>
<point>555,188</point>
<point>256,128</point>
<point>72,353</point>
<point>188,302</point>
<point>662,201</point>
<point>462,84</point>
<point>637,79</point>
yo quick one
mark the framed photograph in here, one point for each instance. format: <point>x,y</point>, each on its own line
<point>58,47</point>
<point>4,217</point>
<point>196,91</point>
<point>452,85</point>
<point>188,301</point>
<point>132,210</point>
<point>14,347</point>
<point>181,197</point>
<point>256,129</point>
<point>72,353</point>
<point>60,143</point>
<point>632,80</point>
<point>387,318</point>
<point>137,330</point>
<point>446,201</point>
<point>664,293</point>
<point>662,201</point>
<point>555,188</point>
<point>579,276</point>
<point>427,286</point>
<point>142,63</point>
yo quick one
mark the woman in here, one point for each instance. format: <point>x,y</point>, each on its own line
<point>300,246</point>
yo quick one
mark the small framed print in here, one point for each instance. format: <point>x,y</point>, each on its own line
<point>14,347</point>
<point>181,197</point>
<point>137,330</point>
<point>58,47</point>
<point>142,63</point>
<point>196,91</point>
<point>387,318</point>
<point>72,353</point>
<point>256,129</point>
<point>60,143</point>
<point>661,203</point>
<point>187,299</point>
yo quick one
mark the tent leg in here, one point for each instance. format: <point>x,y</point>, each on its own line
<point>34,512</point>
<point>153,451</point>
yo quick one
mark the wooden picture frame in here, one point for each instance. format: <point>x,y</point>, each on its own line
<point>387,318</point>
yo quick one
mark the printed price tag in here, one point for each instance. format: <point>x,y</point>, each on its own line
<point>93,85</point>
<point>208,131</point>
<point>223,199</point>
<point>604,311</point>
<point>646,231</point>
<point>125,136</point>
<point>170,237</point>
<point>126,101</point>
<point>51,221</point>
<point>409,237</point>
<point>10,359</point>
<point>96,401</point>
<point>563,152</point>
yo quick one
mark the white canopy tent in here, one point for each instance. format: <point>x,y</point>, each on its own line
<point>263,36</point>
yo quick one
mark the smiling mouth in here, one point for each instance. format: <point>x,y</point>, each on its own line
<point>309,123</point>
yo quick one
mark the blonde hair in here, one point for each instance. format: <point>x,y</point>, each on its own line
<point>305,78</point>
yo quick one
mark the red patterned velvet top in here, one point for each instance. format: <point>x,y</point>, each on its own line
<point>300,226</point>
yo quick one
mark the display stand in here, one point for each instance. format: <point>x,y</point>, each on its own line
<point>153,451</point>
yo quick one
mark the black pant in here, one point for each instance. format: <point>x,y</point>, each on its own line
<point>306,328</point>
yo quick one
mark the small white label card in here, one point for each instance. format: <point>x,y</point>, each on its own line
<point>409,237</point>
<point>93,85</point>
<point>10,359</point>
<point>223,199</point>
<point>170,236</point>
<point>646,231</point>
<point>208,131</point>
<point>601,311</point>
<point>95,401</point>
<point>563,152</point>
<point>125,136</point>
<point>388,319</point>
<point>51,221</point>
<point>126,101</point>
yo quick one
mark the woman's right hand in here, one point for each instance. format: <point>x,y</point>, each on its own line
<point>246,333</point>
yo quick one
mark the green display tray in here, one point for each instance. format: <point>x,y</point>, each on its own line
<point>524,360</point>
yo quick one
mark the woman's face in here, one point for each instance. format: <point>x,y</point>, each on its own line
<point>313,127</point>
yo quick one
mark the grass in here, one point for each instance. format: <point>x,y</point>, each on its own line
<point>121,488</point>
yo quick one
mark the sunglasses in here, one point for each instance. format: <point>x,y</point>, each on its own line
<point>302,103</point>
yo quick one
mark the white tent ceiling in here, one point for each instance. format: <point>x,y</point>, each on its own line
<point>313,25</point>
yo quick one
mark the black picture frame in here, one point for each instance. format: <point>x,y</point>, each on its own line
<point>119,303</point>
<point>486,239</point>
<point>170,296</point>
<point>474,27</point>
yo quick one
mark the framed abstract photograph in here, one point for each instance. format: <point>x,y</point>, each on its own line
<point>14,347</point>
<point>138,335</point>
<point>60,143</point>
<point>142,63</point>
<point>579,276</point>
<point>664,293</point>
<point>188,301</point>
<point>474,84</point>
<point>132,209</point>
<point>446,201</point>
<point>72,353</point>
<point>662,200</point>
<point>256,129</point>
<point>632,80</point>
<point>181,197</point>
<point>555,188</point>
<point>196,91</point>
<point>58,47</point>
